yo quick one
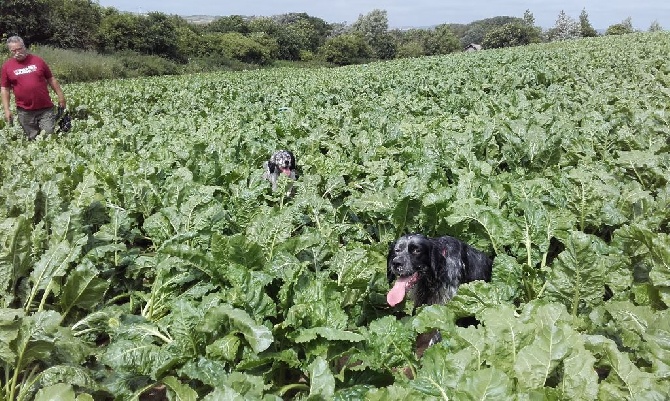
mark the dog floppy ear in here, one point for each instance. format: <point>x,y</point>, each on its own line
<point>439,262</point>
<point>389,258</point>
<point>453,266</point>
<point>292,166</point>
<point>272,167</point>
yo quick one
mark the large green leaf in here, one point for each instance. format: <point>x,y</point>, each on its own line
<point>389,344</point>
<point>405,212</point>
<point>441,372</point>
<point>83,288</point>
<point>56,392</point>
<point>258,336</point>
<point>321,379</point>
<point>15,257</point>
<point>657,341</point>
<point>630,322</point>
<point>355,267</point>
<point>580,379</point>
<point>554,339</point>
<point>10,322</point>
<point>36,338</point>
<point>507,333</point>
<point>66,374</point>
<point>625,379</point>
<point>486,384</point>
<point>183,392</point>
<point>53,265</point>
<point>237,249</point>
<point>578,277</point>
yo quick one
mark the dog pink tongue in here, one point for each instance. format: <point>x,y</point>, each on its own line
<point>286,171</point>
<point>397,293</point>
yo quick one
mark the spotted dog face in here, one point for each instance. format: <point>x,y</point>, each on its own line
<point>281,162</point>
<point>407,259</point>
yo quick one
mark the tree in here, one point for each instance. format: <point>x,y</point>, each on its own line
<point>587,30</point>
<point>410,42</point>
<point>289,43</point>
<point>230,23</point>
<point>509,35</point>
<point>655,27</point>
<point>160,36</point>
<point>622,28</point>
<point>236,46</point>
<point>372,25</point>
<point>314,30</point>
<point>118,32</point>
<point>529,18</point>
<point>410,49</point>
<point>477,30</point>
<point>373,28</point>
<point>26,18</point>
<point>154,34</point>
<point>566,28</point>
<point>74,23</point>
<point>441,40</point>
<point>345,49</point>
<point>187,41</point>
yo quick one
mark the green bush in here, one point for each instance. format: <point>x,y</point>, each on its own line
<point>236,46</point>
<point>345,49</point>
<point>509,35</point>
<point>140,65</point>
<point>619,29</point>
<point>215,62</point>
<point>410,49</point>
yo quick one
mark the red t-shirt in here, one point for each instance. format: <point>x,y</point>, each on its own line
<point>28,79</point>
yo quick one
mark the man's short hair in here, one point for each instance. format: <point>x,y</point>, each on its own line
<point>15,39</point>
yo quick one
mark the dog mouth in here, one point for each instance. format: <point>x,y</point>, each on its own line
<point>402,284</point>
<point>285,170</point>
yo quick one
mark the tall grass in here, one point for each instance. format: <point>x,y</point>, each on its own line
<point>71,66</point>
<point>81,66</point>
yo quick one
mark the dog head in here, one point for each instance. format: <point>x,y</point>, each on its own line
<point>282,162</point>
<point>409,258</point>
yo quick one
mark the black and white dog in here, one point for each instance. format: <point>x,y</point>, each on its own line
<point>281,162</point>
<point>431,269</point>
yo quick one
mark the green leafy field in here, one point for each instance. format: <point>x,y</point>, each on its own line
<point>141,252</point>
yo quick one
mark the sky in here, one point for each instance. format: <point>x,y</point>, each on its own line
<point>418,13</point>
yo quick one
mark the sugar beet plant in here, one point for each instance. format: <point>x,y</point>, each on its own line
<point>141,254</point>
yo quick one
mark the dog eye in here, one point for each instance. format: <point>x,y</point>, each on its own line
<point>415,250</point>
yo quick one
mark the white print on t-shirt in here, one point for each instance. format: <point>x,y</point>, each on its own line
<point>26,70</point>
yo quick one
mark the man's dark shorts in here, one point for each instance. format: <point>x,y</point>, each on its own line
<point>35,121</point>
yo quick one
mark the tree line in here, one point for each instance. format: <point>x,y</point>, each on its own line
<point>85,25</point>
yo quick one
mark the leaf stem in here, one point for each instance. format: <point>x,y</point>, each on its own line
<point>434,383</point>
<point>294,386</point>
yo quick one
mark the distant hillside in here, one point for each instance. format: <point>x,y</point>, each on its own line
<point>200,19</point>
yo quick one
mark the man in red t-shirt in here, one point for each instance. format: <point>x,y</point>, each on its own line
<point>27,75</point>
